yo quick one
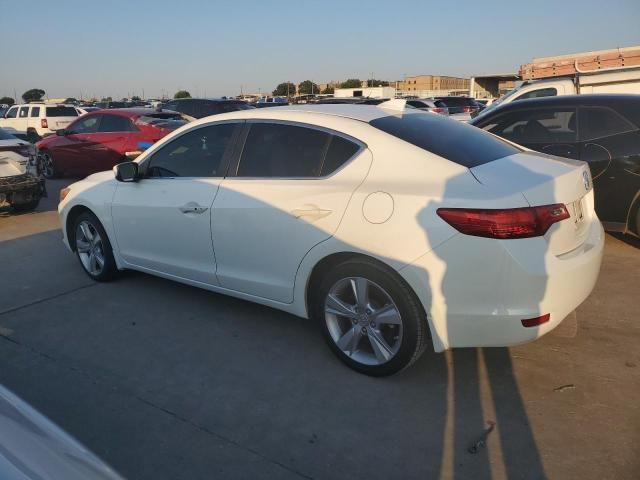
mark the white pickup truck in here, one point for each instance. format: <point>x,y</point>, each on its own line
<point>604,71</point>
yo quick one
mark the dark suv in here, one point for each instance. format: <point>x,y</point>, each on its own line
<point>461,105</point>
<point>203,107</point>
<point>603,130</point>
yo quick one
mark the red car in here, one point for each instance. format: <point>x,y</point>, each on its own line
<point>99,140</point>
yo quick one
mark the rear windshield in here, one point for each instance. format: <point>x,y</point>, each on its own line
<point>170,121</point>
<point>61,112</point>
<point>462,144</point>
<point>458,101</point>
<point>6,135</point>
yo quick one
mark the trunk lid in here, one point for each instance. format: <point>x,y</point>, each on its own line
<point>543,180</point>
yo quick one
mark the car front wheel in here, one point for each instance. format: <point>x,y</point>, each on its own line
<point>48,166</point>
<point>93,248</point>
<point>370,318</point>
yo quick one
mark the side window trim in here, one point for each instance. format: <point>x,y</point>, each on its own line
<point>227,159</point>
<point>233,168</point>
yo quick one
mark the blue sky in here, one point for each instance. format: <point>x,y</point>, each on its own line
<point>70,47</point>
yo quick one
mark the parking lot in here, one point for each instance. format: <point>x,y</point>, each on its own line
<point>167,381</point>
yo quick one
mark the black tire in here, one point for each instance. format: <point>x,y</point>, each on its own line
<point>109,269</point>
<point>415,329</point>
<point>49,169</point>
<point>26,207</point>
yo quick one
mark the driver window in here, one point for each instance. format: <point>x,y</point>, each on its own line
<point>198,153</point>
<point>12,113</point>
<point>85,125</point>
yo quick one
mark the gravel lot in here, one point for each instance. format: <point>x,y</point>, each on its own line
<point>165,381</point>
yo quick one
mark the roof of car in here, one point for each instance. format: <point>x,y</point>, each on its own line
<point>364,113</point>
<point>127,112</point>
<point>207,100</point>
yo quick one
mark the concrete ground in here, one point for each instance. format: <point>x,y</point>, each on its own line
<point>165,381</point>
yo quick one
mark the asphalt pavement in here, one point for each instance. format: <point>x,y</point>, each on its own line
<point>166,381</point>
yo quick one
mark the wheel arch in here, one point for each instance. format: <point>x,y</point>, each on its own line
<point>73,214</point>
<point>328,262</point>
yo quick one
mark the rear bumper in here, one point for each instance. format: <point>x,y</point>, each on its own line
<point>477,291</point>
<point>19,189</point>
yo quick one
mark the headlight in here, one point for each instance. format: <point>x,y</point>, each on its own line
<point>64,192</point>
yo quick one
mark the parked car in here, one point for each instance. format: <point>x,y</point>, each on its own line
<point>34,448</point>
<point>429,105</point>
<point>109,105</point>
<point>602,130</point>
<point>99,140</point>
<point>37,120</point>
<point>380,223</point>
<point>21,182</point>
<point>461,108</point>
<point>271,102</point>
<point>203,107</point>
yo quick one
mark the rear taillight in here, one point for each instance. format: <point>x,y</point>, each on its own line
<point>505,223</point>
<point>469,109</point>
<point>436,110</point>
<point>44,123</point>
<point>534,322</point>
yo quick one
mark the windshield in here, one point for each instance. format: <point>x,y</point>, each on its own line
<point>497,102</point>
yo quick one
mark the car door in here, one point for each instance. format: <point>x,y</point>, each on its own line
<point>70,150</point>
<point>104,148</point>
<point>162,222</point>
<point>610,143</point>
<point>22,121</point>
<point>287,193</point>
<point>550,130</point>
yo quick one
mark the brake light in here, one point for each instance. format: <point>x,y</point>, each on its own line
<point>436,110</point>
<point>469,109</point>
<point>44,123</point>
<point>504,223</point>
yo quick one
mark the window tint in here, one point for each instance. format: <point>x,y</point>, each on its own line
<point>24,111</point>
<point>275,150</point>
<point>536,126</point>
<point>459,143</point>
<point>12,113</point>
<point>61,112</point>
<point>544,92</point>
<point>204,109</point>
<point>340,150</point>
<point>599,122</point>
<point>85,125</point>
<point>35,112</point>
<point>198,153</point>
<point>115,123</point>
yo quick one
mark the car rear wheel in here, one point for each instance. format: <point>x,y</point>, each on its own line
<point>370,318</point>
<point>93,248</point>
<point>48,166</point>
<point>26,207</point>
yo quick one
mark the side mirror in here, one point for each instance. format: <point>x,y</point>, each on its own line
<point>127,172</point>
<point>61,133</point>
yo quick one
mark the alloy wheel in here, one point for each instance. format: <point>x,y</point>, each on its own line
<point>90,248</point>
<point>48,169</point>
<point>363,321</point>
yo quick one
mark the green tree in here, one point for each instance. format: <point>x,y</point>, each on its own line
<point>351,83</point>
<point>182,94</point>
<point>106,99</point>
<point>377,83</point>
<point>328,90</point>
<point>33,95</point>
<point>308,87</point>
<point>284,89</point>
<point>71,100</point>
<point>135,98</point>
<point>7,101</point>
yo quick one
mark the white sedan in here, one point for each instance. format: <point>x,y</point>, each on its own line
<point>391,228</point>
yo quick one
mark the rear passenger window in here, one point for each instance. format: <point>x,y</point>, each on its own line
<point>115,123</point>
<point>276,150</point>
<point>599,122</point>
<point>198,153</point>
<point>339,152</point>
<point>35,112</point>
<point>24,112</point>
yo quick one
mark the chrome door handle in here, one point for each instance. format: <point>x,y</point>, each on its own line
<point>193,207</point>
<point>311,211</point>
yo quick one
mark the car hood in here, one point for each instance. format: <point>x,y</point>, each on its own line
<point>32,447</point>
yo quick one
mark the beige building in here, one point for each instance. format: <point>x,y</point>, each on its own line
<point>432,82</point>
